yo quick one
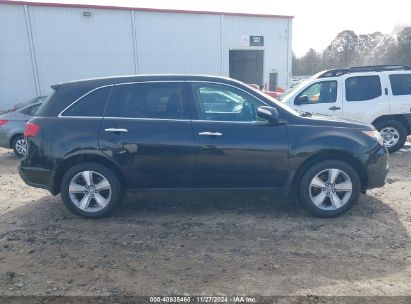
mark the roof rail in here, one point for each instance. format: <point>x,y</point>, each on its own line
<point>369,68</point>
<point>333,73</point>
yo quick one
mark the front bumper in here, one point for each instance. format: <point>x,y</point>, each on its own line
<point>377,178</point>
<point>377,169</point>
<point>36,177</point>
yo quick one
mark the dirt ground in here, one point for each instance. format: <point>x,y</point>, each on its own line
<point>237,243</point>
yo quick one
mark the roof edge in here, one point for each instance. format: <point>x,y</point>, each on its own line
<point>143,9</point>
<point>140,77</point>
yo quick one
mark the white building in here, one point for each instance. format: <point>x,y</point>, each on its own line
<point>42,44</point>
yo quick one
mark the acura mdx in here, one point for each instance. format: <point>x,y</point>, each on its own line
<point>93,140</point>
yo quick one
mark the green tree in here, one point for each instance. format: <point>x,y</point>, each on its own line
<point>404,45</point>
<point>343,50</point>
<point>348,49</point>
<point>308,64</point>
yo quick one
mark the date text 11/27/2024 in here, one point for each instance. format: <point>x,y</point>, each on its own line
<point>202,299</point>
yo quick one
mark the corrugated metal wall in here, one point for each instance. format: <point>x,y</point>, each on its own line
<point>17,81</point>
<point>178,43</point>
<point>70,46</point>
<point>41,45</point>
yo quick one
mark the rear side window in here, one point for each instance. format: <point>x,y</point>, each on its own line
<point>400,84</point>
<point>151,100</point>
<point>362,88</point>
<point>91,105</point>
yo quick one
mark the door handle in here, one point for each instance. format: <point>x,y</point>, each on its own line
<point>210,134</point>
<point>334,108</point>
<point>115,130</point>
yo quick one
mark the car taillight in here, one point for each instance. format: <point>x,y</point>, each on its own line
<point>31,129</point>
<point>3,122</point>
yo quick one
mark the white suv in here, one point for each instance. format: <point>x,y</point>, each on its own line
<point>379,95</point>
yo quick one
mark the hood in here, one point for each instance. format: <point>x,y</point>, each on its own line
<point>336,122</point>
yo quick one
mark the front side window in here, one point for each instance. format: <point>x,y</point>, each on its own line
<point>400,84</point>
<point>319,92</point>
<point>91,105</point>
<point>151,100</point>
<point>220,102</point>
<point>361,88</point>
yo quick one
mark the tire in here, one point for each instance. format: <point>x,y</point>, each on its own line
<point>335,202</point>
<point>19,146</point>
<point>392,132</point>
<point>83,197</point>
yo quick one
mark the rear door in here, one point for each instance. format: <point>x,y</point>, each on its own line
<point>235,149</point>
<point>365,97</point>
<point>400,97</point>
<point>146,130</point>
<point>323,96</point>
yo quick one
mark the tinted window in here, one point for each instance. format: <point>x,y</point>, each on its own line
<point>31,111</point>
<point>151,100</point>
<point>224,103</point>
<point>320,92</point>
<point>362,88</point>
<point>401,84</point>
<point>92,104</point>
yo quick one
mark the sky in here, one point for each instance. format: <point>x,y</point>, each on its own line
<point>315,23</point>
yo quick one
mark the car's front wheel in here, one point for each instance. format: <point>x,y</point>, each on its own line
<point>19,146</point>
<point>393,133</point>
<point>329,188</point>
<point>91,190</point>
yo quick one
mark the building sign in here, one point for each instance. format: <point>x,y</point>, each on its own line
<point>256,40</point>
<point>250,40</point>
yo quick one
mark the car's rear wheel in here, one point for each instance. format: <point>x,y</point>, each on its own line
<point>329,188</point>
<point>91,190</point>
<point>19,145</point>
<point>393,133</point>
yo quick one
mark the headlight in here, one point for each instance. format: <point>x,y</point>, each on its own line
<point>376,135</point>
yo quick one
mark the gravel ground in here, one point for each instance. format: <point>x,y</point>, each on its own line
<point>221,243</point>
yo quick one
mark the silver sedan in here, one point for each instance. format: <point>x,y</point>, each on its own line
<point>12,128</point>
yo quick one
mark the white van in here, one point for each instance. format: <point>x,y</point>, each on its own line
<point>379,95</point>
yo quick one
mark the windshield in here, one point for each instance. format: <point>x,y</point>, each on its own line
<point>299,86</point>
<point>293,89</point>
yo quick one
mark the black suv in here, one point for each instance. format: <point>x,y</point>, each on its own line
<point>95,139</point>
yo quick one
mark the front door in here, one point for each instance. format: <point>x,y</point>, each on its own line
<point>234,148</point>
<point>147,132</point>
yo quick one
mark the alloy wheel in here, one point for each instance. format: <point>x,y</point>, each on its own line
<point>20,146</point>
<point>390,135</point>
<point>330,189</point>
<point>90,191</point>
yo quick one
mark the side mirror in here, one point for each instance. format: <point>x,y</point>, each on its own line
<point>302,99</point>
<point>268,113</point>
